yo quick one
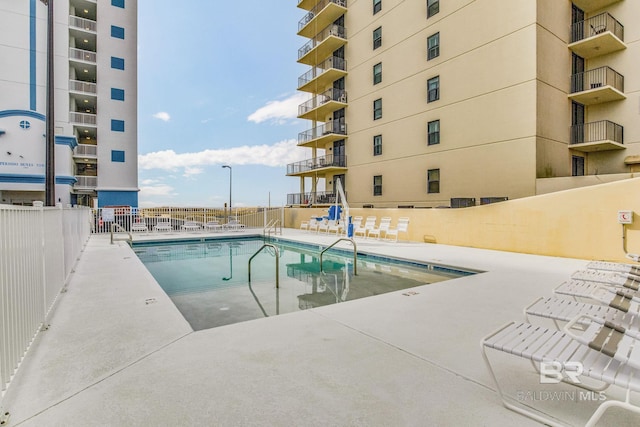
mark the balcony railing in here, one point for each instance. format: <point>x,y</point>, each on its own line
<point>319,197</point>
<point>339,95</point>
<point>331,63</point>
<point>82,55</point>
<point>80,86</point>
<point>86,150</point>
<point>596,25</point>
<point>317,163</point>
<point>599,85</point>
<point>332,127</point>
<point>82,23</point>
<point>331,30</point>
<point>316,11</point>
<point>89,182</point>
<point>602,131</point>
<point>83,118</point>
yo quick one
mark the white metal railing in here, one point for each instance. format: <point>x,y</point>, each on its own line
<point>82,23</point>
<point>86,150</point>
<point>83,118</point>
<point>80,86</point>
<point>86,182</point>
<point>82,55</point>
<point>38,249</point>
<point>252,218</point>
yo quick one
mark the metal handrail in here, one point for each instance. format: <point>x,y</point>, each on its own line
<point>277,252</point>
<point>116,225</point>
<point>355,253</point>
<point>272,225</point>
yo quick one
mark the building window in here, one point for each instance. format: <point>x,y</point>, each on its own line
<point>577,166</point>
<point>117,32</point>
<point>377,185</point>
<point>377,145</point>
<point>377,109</point>
<point>117,94</point>
<point>117,156</point>
<point>377,6</point>
<point>377,38</point>
<point>117,125</point>
<point>433,89</point>
<point>433,181</point>
<point>433,46</point>
<point>433,132</point>
<point>117,3</point>
<point>433,7</point>
<point>117,63</point>
<point>377,73</point>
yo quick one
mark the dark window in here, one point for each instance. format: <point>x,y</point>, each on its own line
<point>577,166</point>
<point>118,3</point>
<point>377,185</point>
<point>377,37</point>
<point>117,63</point>
<point>117,32</point>
<point>377,109</point>
<point>433,132</point>
<point>433,181</point>
<point>433,7</point>
<point>377,73</point>
<point>117,125</point>
<point>433,89</point>
<point>117,156</point>
<point>117,94</point>
<point>377,145</point>
<point>377,6</point>
<point>433,46</point>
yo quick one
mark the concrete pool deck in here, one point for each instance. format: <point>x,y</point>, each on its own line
<point>118,352</point>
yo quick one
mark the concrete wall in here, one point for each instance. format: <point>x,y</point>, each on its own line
<point>579,223</point>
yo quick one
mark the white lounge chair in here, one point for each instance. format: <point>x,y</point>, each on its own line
<point>401,227</point>
<point>363,230</point>
<point>385,224</point>
<point>163,226</point>
<point>605,352</point>
<point>139,226</point>
<point>579,289</point>
<point>213,226</point>
<point>234,225</point>
<point>304,225</point>
<point>190,226</point>
<point>614,267</point>
<point>604,276</point>
<point>336,227</point>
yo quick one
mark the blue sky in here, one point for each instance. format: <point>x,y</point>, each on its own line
<point>217,85</point>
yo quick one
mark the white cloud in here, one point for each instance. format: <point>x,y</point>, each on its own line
<point>157,190</point>
<point>162,115</point>
<point>279,111</point>
<point>150,181</point>
<point>279,154</point>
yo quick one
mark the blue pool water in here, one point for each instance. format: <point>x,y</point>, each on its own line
<point>208,280</point>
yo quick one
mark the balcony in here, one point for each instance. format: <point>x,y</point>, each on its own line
<point>82,55</point>
<point>323,104</point>
<point>328,164</point>
<point>323,75</point>
<point>323,13</point>
<point>83,118</point>
<point>86,183</point>
<point>83,87</point>
<point>321,46</point>
<point>307,4</point>
<point>86,151</point>
<point>597,136</point>
<point>317,198</point>
<point>82,24</point>
<point>591,5</point>
<point>597,86</point>
<point>324,134</point>
<point>599,35</point>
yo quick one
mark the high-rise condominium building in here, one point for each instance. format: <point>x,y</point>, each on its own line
<point>95,111</point>
<point>428,103</point>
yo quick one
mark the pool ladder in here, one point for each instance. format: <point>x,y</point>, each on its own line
<point>273,225</point>
<point>277,253</point>
<point>355,253</point>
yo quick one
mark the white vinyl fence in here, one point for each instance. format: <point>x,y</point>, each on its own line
<point>125,216</point>
<point>38,249</point>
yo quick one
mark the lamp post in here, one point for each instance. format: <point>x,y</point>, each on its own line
<point>229,167</point>
<point>50,174</point>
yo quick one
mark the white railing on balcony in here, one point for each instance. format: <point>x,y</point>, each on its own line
<point>80,86</point>
<point>82,23</point>
<point>82,118</point>
<point>38,249</point>
<point>82,55</point>
<point>90,182</point>
<point>86,150</point>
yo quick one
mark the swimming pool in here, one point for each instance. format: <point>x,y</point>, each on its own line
<point>208,282</point>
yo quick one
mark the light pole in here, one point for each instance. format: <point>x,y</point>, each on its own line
<point>227,166</point>
<point>50,174</point>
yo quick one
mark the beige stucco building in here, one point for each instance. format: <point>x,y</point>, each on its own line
<point>460,102</point>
